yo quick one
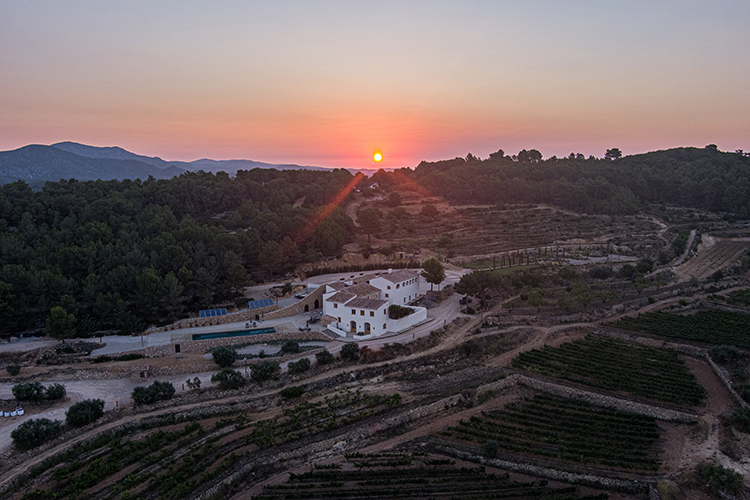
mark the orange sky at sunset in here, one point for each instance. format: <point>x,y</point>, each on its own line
<point>329,82</point>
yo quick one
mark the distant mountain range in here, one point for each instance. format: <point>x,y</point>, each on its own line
<point>37,164</point>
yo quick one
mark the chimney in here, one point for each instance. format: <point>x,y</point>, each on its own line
<point>390,270</point>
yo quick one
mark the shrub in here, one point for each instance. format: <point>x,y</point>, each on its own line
<point>28,391</point>
<point>298,367</point>
<point>34,432</point>
<point>13,369</point>
<point>292,392</point>
<point>667,490</point>
<point>85,412</point>
<point>741,419</point>
<point>54,392</point>
<point>396,311</point>
<point>719,480</point>
<point>290,347</point>
<point>350,352</point>
<point>627,271</point>
<point>725,353</point>
<point>153,393</point>
<point>490,448</point>
<point>194,384</point>
<point>324,357</point>
<point>228,379</point>
<point>260,372</point>
<point>224,356</point>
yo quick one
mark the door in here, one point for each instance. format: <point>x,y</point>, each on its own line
<point>367,328</point>
<point>353,327</point>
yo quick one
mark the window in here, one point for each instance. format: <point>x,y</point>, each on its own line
<point>389,287</point>
<point>398,286</point>
<point>385,311</point>
<point>372,313</point>
<point>383,326</point>
<point>354,311</point>
<point>386,295</point>
<point>335,305</point>
<point>362,312</point>
<point>339,319</point>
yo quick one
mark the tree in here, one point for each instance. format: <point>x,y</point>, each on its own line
<point>536,299</point>
<point>350,352</point>
<point>429,210</point>
<point>224,356</point>
<point>194,384</point>
<point>84,412</point>
<point>433,272</point>
<point>228,379</point>
<point>394,199</point>
<point>13,369</point>
<point>260,372</point>
<point>298,367</point>
<point>35,432</point>
<point>613,154</point>
<point>530,156</point>
<point>290,347</point>
<point>157,391</point>
<point>54,392</point>
<point>28,391</point>
<point>369,221</point>
<point>60,324</point>
<point>324,357</point>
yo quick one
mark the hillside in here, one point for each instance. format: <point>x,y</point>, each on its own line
<point>47,163</point>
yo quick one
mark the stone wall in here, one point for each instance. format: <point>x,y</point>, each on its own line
<point>725,380</point>
<point>237,317</point>
<point>299,307</point>
<point>554,474</point>
<point>203,345</point>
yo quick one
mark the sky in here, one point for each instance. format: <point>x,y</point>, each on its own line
<point>328,83</point>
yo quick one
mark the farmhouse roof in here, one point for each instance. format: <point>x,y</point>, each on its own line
<point>365,303</point>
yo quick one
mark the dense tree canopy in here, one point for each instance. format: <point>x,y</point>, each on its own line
<point>79,257</point>
<point>695,177</point>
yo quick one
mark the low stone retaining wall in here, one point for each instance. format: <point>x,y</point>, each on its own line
<point>725,380</point>
<point>557,475</point>
<point>589,397</point>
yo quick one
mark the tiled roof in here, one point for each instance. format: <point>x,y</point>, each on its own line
<point>337,285</point>
<point>341,297</point>
<point>363,303</point>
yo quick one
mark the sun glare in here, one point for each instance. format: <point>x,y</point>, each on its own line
<point>377,157</point>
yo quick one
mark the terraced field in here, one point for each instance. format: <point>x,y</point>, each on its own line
<point>554,427</point>
<point>710,327</point>
<point>410,476</point>
<point>614,365</point>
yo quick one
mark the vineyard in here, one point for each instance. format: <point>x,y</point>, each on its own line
<point>412,476</point>
<point>711,327</point>
<point>555,427</point>
<point>615,365</point>
<point>169,459</point>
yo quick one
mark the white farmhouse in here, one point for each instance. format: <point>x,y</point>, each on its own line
<point>360,306</point>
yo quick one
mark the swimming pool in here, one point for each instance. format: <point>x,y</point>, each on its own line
<point>240,333</point>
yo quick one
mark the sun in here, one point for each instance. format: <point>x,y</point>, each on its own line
<point>377,157</point>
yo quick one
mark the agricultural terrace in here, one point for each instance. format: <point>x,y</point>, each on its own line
<point>555,427</point>
<point>411,476</point>
<point>615,365</point>
<point>169,459</point>
<point>477,230</point>
<point>720,254</point>
<point>710,327</point>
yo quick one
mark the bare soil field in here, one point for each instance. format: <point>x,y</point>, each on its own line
<point>714,254</point>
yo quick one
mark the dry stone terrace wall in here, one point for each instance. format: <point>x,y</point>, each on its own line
<point>589,397</point>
